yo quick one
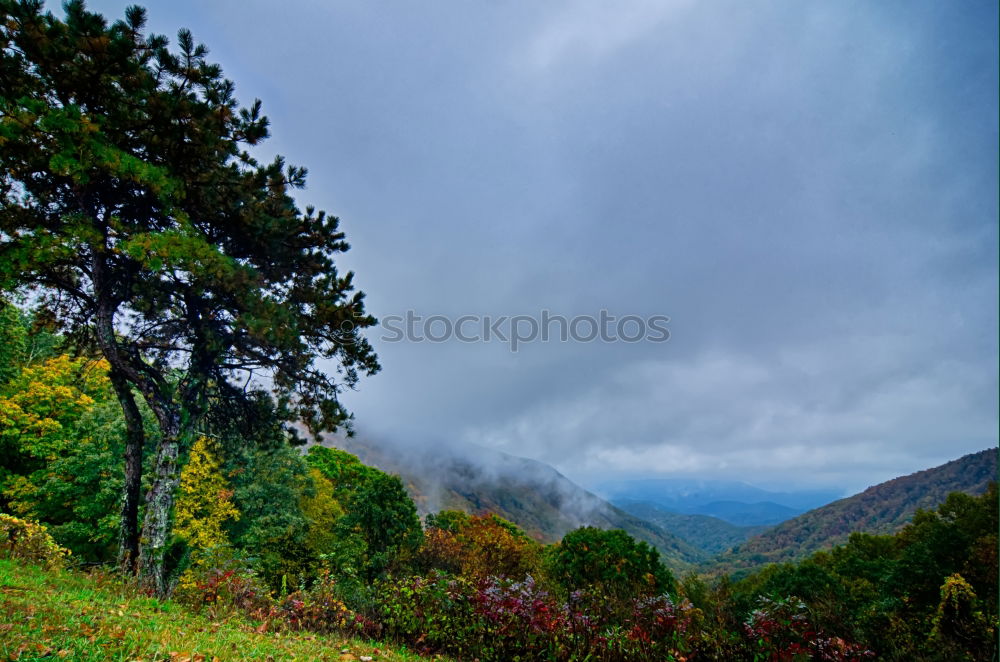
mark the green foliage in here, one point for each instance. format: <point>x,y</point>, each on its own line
<point>39,408</point>
<point>345,471</point>
<point>436,611</point>
<point>78,491</point>
<point>382,515</point>
<point>13,341</point>
<point>29,541</point>
<point>610,561</point>
<point>451,521</point>
<point>882,509</point>
<point>321,510</point>
<point>905,596</point>
<point>287,513</point>
<point>380,527</point>
<point>61,440</point>
<point>960,630</point>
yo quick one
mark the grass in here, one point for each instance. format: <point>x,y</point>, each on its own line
<point>54,615</point>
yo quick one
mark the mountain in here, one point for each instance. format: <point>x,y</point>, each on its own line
<point>884,508</point>
<point>710,534</point>
<point>531,494</point>
<point>739,513</point>
<point>733,501</point>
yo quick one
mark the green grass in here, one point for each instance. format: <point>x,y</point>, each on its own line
<point>54,615</point>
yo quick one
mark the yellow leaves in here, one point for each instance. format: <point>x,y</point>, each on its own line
<point>321,510</point>
<point>30,541</point>
<point>41,404</point>
<point>204,503</point>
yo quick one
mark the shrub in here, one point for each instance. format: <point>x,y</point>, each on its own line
<point>477,547</point>
<point>320,609</point>
<point>611,562</point>
<point>520,620</point>
<point>29,541</point>
<point>433,613</point>
<point>782,630</point>
<point>498,619</point>
<point>226,586</point>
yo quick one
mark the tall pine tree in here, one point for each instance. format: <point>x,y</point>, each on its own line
<point>134,213</point>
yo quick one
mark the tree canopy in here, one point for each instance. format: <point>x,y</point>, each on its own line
<point>135,214</point>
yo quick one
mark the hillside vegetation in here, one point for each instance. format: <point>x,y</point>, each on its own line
<point>710,534</point>
<point>883,508</point>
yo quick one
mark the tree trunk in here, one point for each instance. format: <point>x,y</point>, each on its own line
<point>135,439</point>
<point>159,503</point>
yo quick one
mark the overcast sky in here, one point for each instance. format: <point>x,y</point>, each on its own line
<point>809,190</point>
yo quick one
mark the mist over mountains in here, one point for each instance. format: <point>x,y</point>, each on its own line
<point>719,498</point>
<point>704,524</point>
<point>531,494</point>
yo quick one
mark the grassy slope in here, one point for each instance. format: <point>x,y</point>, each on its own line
<point>67,615</point>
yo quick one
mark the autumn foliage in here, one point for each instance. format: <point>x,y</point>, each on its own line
<point>478,546</point>
<point>29,541</point>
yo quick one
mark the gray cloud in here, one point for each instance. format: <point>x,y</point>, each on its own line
<point>808,190</point>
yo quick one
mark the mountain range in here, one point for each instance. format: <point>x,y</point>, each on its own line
<point>881,509</point>
<point>547,505</point>
<point>733,501</point>
<point>709,534</point>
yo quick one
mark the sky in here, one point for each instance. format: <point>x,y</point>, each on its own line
<point>809,191</point>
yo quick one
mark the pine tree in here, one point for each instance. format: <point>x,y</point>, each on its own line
<point>134,213</point>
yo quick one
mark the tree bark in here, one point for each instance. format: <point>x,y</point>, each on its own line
<point>135,439</point>
<point>159,503</point>
<point>160,498</point>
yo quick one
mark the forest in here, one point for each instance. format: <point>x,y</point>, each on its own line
<point>169,321</point>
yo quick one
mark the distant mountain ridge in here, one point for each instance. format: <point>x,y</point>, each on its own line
<point>710,534</point>
<point>531,494</point>
<point>733,501</point>
<point>881,509</point>
<point>739,513</point>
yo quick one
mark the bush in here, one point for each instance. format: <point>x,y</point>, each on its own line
<point>782,630</point>
<point>431,614</point>
<point>224,587</point>
<point>29,541</point>
<point>320,609</point>
<point>497,619</point>
<point>477,547</point>
<point>612,562</point>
